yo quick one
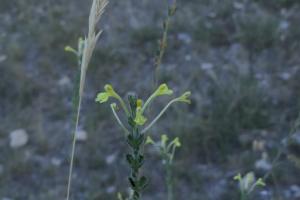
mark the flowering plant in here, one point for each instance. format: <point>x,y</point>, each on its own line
<point>136,127</point>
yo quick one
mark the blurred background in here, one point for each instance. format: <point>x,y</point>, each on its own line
<point>240,58</point>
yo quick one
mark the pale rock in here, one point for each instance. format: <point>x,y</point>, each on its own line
<point>207,66</point>
<point>184,37</point>
<point>64,82</point>
<point>188,57</point>
<point>284,25</point>
<point>295,189</point>
<point>5,198</point>
<point>296,138</point>
<point>110,159</point>
<point>285,76</point>
<point>111,189</point>
<point>265,194</point>
<point>56,162</point>
<point>212,14</point>
<point>1,169</point>
<point>263,164</point>
<point>3,58</point>
<point>238,5</point>
<point>81,135</point>
<point>18,138</point>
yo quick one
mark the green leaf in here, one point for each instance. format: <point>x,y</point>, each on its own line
<point>70,49</point>
<point>143,183</point>
<point>130,159</point>
<point>132,183</point>
<point>132,99</point>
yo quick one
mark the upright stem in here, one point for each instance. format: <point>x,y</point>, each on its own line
<point>73,148</point>
<point>243,196</point>
<point>163,43</point>
<point>161,52</point>
<point>169,181</point>
<point>135,171</point>
<point>135,159</point>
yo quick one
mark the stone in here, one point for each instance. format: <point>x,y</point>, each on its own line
<point>110,159</point>
<point>188,57</point>
<point>111,189</point>
<point>285,76</point>
<point>56,162</point>
<point>184,37</point>
<point>238,5</point>
<point>81,135</point>
<point>207,66</point>
<point>295,189</point>
<point>5,198</point>
<point>18,138</point>
<point>263,164</point>
<point>64,82</point>
<point>1,169</point>
<point>284,25</point>
<point>3,58</point>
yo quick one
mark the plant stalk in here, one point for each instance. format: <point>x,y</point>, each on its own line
<point>169,181</point>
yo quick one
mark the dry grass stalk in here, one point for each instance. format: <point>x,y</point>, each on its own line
<point>96,12</point>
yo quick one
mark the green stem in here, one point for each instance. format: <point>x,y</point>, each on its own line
<point>169,181</point>
<point>135,159</point>
<point>77,98</point>
<point>112,106</point>
<point>163,43</point>
<point>73,148</point>
<point>243,196</point>
<point>159,115</point>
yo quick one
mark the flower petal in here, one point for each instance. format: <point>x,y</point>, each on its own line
<point>163,89</point>
<point>102,97</point>
<point>139,118</point>
<point>185,97</point>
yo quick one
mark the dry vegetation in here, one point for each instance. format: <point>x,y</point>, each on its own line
<point>240,59</point>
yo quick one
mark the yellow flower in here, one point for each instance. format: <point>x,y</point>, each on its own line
<point>185,97</point>
<point>164,139</point>
<point>177,142</point>
<point>163,89</point>
<point>102,97</point>
<point>139,103</point>
<point>249,182</point>
<point>260,182</point>
<point>238,177</point>
<point>149,140</point>
<point>139,118</point>
<point>109,92</point>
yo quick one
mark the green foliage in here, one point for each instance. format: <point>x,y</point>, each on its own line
<point>144,36</point>
<point>278,4</point>
<point>258,32</point>
<point>236,104</point>
<point>213,33</point>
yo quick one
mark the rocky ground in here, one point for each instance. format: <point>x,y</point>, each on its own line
<point>239,58</point>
